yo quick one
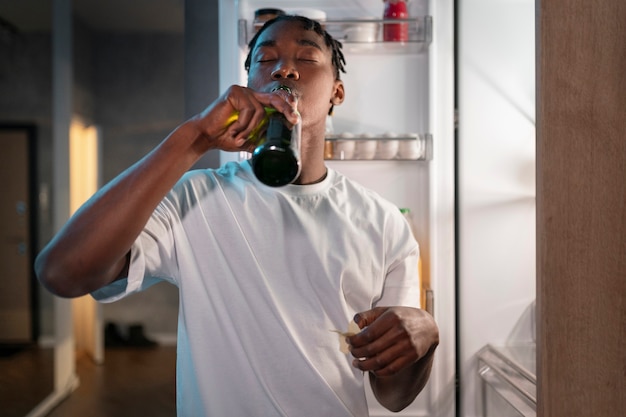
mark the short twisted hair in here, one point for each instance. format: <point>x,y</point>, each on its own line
<point>335,46</point>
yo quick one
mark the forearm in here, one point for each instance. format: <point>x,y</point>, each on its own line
<point>90,250</point>
<point>398,391</point>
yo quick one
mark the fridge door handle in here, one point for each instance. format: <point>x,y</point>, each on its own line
<point>430,302</point>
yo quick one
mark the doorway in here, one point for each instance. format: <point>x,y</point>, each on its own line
<point>18,214</point>
<point>26,368</point>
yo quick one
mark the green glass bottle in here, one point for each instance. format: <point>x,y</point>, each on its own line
<point>276,159</point>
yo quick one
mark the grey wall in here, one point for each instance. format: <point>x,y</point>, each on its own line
<point>84,100</point>
<point>139,93</point>
<point>201,63</point>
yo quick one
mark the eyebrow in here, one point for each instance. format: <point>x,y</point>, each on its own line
<point>302,42</point>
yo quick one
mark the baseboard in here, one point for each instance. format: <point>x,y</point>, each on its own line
<point>164,339</point>
<point>45,407</point>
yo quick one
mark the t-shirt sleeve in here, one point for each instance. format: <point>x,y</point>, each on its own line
<point>152,259</point>
<point>402,282</point>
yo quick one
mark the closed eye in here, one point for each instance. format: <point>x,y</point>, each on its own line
<point>263,55</point>
<point>309,54</point>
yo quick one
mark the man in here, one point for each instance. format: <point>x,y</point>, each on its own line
<point>264,273</point>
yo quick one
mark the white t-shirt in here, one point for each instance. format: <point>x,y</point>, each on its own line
<point>264,275</point>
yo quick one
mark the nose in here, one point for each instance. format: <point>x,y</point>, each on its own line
<point>284,71</point>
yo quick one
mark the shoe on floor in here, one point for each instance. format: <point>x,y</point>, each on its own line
<point>113,337</point>
<point>137,338</point>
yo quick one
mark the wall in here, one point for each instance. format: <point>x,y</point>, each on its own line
<point>496,185</point>
<point>83,98</point>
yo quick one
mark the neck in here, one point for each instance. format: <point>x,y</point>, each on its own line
<point>312,158</point>
<point>312,175</point>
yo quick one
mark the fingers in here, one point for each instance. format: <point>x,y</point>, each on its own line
<point>368,317</point>
<point>392,339</point>
<point>384,354</point>
<point>249,108</point>
<point>386,364</point>
<point>282,101</point>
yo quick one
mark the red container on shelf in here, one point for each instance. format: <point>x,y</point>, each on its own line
<point>395,32</point>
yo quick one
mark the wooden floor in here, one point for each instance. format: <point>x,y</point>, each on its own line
<point>132,382</point>
<point>26,379</point>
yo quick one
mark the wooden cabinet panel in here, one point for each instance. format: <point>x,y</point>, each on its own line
<point>581,208</point>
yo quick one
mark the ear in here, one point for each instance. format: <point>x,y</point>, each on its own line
<point>338,93</point>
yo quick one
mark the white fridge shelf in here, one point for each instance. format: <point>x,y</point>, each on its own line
<point>364,34</point>
<point>408,147</point>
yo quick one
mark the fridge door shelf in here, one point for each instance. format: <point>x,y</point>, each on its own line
<point>365,34</point>
<point>510,373</point>
<point>411,147</point>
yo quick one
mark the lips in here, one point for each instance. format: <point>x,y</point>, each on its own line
<point>282,87</point>
<point>286,89</point>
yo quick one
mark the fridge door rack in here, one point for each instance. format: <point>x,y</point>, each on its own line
<point>508,372</point>
<point>410,147</point>
<point>360,33</point>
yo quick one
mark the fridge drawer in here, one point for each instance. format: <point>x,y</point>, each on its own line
<point>509,383</point>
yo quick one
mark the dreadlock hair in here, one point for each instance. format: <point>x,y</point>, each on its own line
<point>335,46</point>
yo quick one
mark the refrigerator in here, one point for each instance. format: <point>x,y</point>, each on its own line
<point>394,133</point>
<point>496,200</point>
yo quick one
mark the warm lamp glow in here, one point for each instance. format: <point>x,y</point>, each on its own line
<point>83,163</point>
<point>83,184</point>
